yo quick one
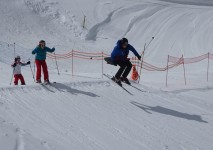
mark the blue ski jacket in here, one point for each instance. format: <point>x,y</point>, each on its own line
<point>119,54</point>
<point>41,54</point>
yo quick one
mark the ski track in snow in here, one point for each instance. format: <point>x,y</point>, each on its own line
<point>92,34</point>
<point>18,139</point>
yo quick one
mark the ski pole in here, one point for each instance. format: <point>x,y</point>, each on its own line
<point>14,46</point>
<point>32,72</point>
<point>12,76</point>
<point>14,53</point>
<point>34,67</point>
<point>56,64</point>
<point>142,56</point>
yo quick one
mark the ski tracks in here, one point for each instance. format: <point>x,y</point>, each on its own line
<point>140,8</point>
<point>20,145</point>
<point>14,138</point>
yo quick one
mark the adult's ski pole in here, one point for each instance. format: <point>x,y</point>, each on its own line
<point>142,57</point>
<point>32,72</point>
<point>56,62</point>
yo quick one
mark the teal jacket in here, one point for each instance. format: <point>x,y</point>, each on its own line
<point>41,54</point>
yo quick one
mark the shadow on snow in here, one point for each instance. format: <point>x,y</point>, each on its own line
<point>62,87</point>
<point>170,112</point>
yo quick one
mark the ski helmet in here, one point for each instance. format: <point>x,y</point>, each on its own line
<point>42,42</point>
<point>124,41</point>
<point>17,58</point>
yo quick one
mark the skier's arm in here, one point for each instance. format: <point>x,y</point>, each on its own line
<point>13,65</point>
<point>34,51</point>
<point>131,48</point>
<point>50,50</point>
<point>25,64</point>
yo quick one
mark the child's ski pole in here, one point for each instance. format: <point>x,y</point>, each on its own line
<point>12,76</point>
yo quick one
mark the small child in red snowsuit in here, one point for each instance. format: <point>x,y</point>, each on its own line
<point>17,70</point>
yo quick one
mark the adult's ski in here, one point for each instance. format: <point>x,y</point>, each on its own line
<point>128,84</point>
<point>135,87</point>
<point>46,87</point>
<point>108,76</point>
<point>48,83</point>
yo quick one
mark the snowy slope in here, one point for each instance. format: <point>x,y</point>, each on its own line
<point>82,115</point>
<point>178,28</point>
<point>87,112</point>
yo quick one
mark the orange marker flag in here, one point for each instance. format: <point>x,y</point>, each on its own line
<point>135,74</point>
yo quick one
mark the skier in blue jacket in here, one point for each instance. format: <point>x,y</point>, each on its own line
<point>119,56</point>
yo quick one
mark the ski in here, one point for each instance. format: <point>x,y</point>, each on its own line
<point>135,87</point>
<point>50,83</point>
<point>108,76</point>
<point>45,86</point>
<point>130,85</point>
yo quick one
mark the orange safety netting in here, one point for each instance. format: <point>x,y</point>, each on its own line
<point>210,56</point>
<point>149,67</point>
<point>78,54</point>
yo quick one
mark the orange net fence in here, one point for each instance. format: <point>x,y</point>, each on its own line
<point>174,61</point>
<point>210,56</point>
<point>150,67</point>
<point>78,54</point>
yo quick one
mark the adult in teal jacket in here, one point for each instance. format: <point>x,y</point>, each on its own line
<point>40,60</point>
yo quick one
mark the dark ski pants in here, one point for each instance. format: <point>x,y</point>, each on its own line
<point>125,68</point>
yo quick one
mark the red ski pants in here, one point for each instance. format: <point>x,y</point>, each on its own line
<point>19,77</point>
<point>41,64</point>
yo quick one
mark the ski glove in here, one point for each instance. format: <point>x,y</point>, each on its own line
<point>114,63</point>
<point>28,62</point>
<point>53,48</point>
<point>139,57</point>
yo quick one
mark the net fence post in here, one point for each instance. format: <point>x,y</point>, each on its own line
<point>102,61</point>
<point>184,69</point>
<point>208,69</point>
<point>72,63</point>
<point>84,22</point>
<point>167,71</point>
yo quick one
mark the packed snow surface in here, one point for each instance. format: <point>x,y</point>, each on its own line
<point>87,111</point>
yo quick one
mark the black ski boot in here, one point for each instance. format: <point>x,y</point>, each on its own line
<point>125,80</point>
<point>38,81</point>
<point>118,81</point>
<point>46,82</point>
